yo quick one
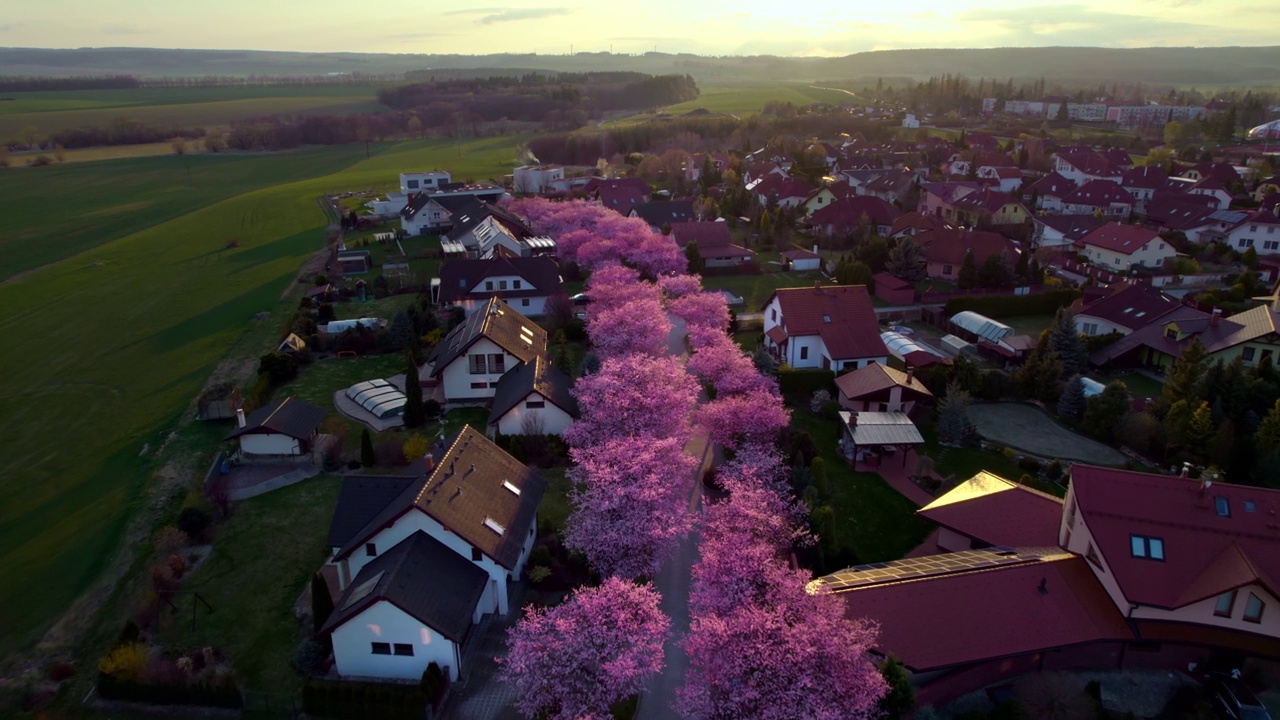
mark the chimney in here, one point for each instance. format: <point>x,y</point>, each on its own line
<point>815,248</point>
<point>240,421</point>
<point>911,373</point>
<point>853,419</point>
<point>428,463</point>
<point>1044,586</point>
<point>1215,317</point>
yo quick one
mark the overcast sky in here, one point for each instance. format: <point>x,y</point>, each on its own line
<point>713,27</point>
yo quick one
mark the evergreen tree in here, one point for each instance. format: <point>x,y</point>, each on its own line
<point>696,263</point>
<point>321,603</point>
<point>818,471</point>
<point>968,272</point>
<point>560,353</point>
<point>907,262</point>
<point>367,456</point>
<point>899,699</point>
<point>1183,381</point>
<point>413,416</point>
<point>1199,428</point>
<point>953,415</point>
<point>1268,435</point>
<point>1103,412</point>
<point>1021,269</point>
<point>995,272</point>
<point>400,334</point>
<point>1065,340</point>
<point>1035,275</point>
<point>1072,402</point>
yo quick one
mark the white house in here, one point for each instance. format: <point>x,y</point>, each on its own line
<point>526,283</point>
<point>429,555</point>
<point>1099,196</point>
<point>1260,231</point>
<point>538,179</point>
<point>1060,231</point>
<point>1007,179</point>
<point>1120,247</point>
<point>801,260</point>
<point>412,182</point>
<point>427,213</point>
<point>833,328</point>
<point>1124,311</point>
<point>475,355</point>
<point>282,428</point>
<point>533,399</point>
<point>879,388</point>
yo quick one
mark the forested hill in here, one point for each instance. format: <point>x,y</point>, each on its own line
<point>532,96</point>
<point>1176,66</point>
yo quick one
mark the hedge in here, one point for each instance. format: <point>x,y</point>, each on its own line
<point>997,306</point>
<point>110,688</point>
<point>805,383</point>
<point>360,700</point>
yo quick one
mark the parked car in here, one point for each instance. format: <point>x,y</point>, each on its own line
<point>1234,699</point>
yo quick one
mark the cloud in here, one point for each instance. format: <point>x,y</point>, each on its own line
<point>9,27</point>
<point>522,14</point>
<point>477,11</point>
<point>419,36</point>
<point>124,30</point>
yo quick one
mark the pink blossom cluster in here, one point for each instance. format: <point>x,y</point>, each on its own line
<point>575,660</point>
<point>676,286</point>
<point>626,314</point>
<point>636,396</point>
<point>593,235</point>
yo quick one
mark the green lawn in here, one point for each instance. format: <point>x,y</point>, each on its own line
<point>875,520</point>
<point>1139,385</point>
<point>1031,325</point>
<point>756,289</point>
<point>263,558</point>
<point>556,507</point>
<point>964,463</point>
<point>108,350</point>
<point>748,341</point>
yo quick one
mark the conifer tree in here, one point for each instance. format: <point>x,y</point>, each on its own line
<point>413,415</point>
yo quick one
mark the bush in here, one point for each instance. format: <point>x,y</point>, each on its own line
<point>309,658</point>
<point>997,306</point>
<point>227,696</point>
<point>819,400</point>
<point>343,699</point>
<point>1054,471</point>
<point>193,521</point>
<point>1029,465</point>
<point>804,383</point>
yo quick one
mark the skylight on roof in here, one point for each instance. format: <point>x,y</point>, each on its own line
<point>1249,506</point>
<point>507,484</point>
<point>362,590</point>
<point>494,526</point>
<point>826,318</point>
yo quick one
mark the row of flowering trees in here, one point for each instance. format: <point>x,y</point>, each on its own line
<point>759,645</point>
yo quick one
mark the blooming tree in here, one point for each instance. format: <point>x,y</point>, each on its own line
<point>730,371</point>
<point>752,417</point>
<point>573,661</point>
<point>633,396</point>
<point>593,235</point>
<point>706,311</point>
<point>637,326</point>
<point>676,286</point>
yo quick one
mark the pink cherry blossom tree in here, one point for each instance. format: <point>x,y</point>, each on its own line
<point>638,326</point>
<point>754,417</point>
<point>705,311</point>
<point>633,396</point>
<point>676,286</point>
<point>723,364</point>
<point>575,660</point>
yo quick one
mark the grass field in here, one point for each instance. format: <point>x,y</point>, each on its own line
<point>755,289</point>
<point>106,351</point>
<point>107,152</point>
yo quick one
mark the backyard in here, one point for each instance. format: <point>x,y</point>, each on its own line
<point>756,289</point>
<point>1028,428</point>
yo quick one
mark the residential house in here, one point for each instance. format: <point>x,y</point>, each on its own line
<point>1126,309</point>
<point>988,511</point>
<point>539,179</point>
<point>895,187</point>
<point>1062,231</point>
<point>478,229</point>
<point>831,327</point>
<point>1270,186</point>
<point>693,167</point>
<point>1142,183</point>
<point>914,223</point>
<point>1222,172</point>
<point>938,199</point>
<point>432,214</point>
<point>1098,197</point>
<point>989,207</point>
<point>879,388</point>
<point>535,398</point>
<point>1180,212</point>
<point>801,260</point>
<point>1119,247</point>
<point>1005,179</point>
<point>715,244</point>
<point>429,181</point>
<point>945,250</point>
<point>283,428</point>
<point>525,283</point>
<point>846,216</point>
<point>1117,157</point>
<point>659,214</point>
<point>982,142</point>
<point>476,504</point>
<point>475,355</point>
<point>824,196</point>
<point>858,180</point>
<point>758,171</point>
<point>1082,165</point>
<point>893,290</point>
<point>1251,336</point>
<point>1211,187</point>
<point>619,194</point>
<point>780,191</point>
<point>1048,192</point>
<point>1260,230</point>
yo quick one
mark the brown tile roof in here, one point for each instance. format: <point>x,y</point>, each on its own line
<point>705,234</point>
<point>841,315</point>
<point>541,277</point>
<point>875,377</point>
<point>1053,185</point>
<point>986,200</point>
<point>997,511</point>
<point>915,221</point>
<point>848,212</point>
<point>498,322</point>
<point>1124,239</point>
<point>1133,307</point>
<point>540,376</point>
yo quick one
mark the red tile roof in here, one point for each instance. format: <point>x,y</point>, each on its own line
<point>875,377</point>
<point>848,212</point>
<point>705,234</point>
<point>1098,193</point>
<point>1145,177</point>
<point>997,511</point>
<point>1053,185</point>
<point>839,314</point>
<point>890,282</point>
<point>986,200</point>
<point>1133,307</point>
<point>1124,239</point>
<point>782,187</point>
<point>1205,554</point>
<point>949,619</point>
<point>949,246</point>
<point>1090,163</point>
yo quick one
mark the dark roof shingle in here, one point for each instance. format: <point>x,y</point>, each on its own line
<point>289,416</point>
<point>540,376</point>
<point>498,322</point>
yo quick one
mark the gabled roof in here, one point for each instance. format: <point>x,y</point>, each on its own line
<point>1260,217</point>
<point>1124,239</point>
<point>941,611</point>
<point>289,416</point>
<point>949,246</point>
<point>849,211</point>
<point>876,377</point>
<point>498,322</point>
<point>1176,209</point>
<point>915,221</point>
<point>949,192</point>
<point>663,212</point>
<point>1205,553</point>
<point>459,278</point>
<point>801,254</point>
<point>705,234</point>
<point>361,498</point>
<point>1098,193</point>
<point>997,511</point>
<point>1145,177</point>
<point>450,202</point>
<point>468,493</point>
<point>1133,307</point>
<point>467,216</point>
<point>422,577</point>
<point>540,376</point>
<point>1053,185</point>
<point>895,181</point>
<point>782,187</point>
<point>986,200</point>
<point>840,314</point>
<point>1089,163</point>
<point>1072,227</point>
<point>1117,157</point>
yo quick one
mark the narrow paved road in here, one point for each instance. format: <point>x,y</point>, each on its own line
<point>674,578</point>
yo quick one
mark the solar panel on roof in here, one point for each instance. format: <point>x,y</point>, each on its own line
<point>930,565</point>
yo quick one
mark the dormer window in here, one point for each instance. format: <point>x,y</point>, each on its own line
<point>1150,548</point>
<point>1226,603</point>
<point>1222,506</point>
<point>1253,608</point>
<point>826,319</point>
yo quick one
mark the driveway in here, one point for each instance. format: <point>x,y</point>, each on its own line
<point>1027,428</point>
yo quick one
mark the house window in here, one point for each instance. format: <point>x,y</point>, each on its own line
<point>1091,328</point>
<point>475,364</point>
<point>515,284</point>
<point>479,385</point>
<point>804,353</point>
<point>476,555</point>
<point>488,285</point>
<point>535,404</point>
<point>1226,602</point>
<point>371,550</point>
<point>1247,354</point>
<point>1271,244</point>
<point>1246,242</point>
<point>381,648</point>
<point>502,284</point>
<point>946,269</point>
<point>1223,506</point>
<point>1253,609</point>
<point>773,315</point>
<point>1142,546</point>
<point>413,184</point>
<point>1171,333</point>
<point>524,302</point>
<point>404,649</point>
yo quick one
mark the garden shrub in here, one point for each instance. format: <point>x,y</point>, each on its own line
<point>997,306</point>
<point>193,521</point>
<point>310,657</point>
<point>804,383</point>
<point>359,700</point>
<point>226,696</point>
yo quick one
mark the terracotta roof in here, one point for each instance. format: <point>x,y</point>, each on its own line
<point>1152,336</point>
<point>890,282</point>
<point>1124,239</point>
<point>945,617</point>
<point>459,278</point>
<point>875,377</point>
<point>996,511</point>
<point>1145,177</point>
<point>705,234</point>
<point>1053,185</point>
<point>289,416</point>
<point>840,314</point>
<point>949,192</point>
<point>621,199</point>
<point>1205,552</point>
<point>800,255</point>
<point>848,212</point>
<point>1117,157</point>
<point>1072,227</point>
<point>498,322</point>
<point>782,187</point>
<point>1098,193</point>
<point>986,200</point>
<point>424,578</point>
<point>540,376</point>
<point>950,246</point>
<point>1133,307</point>
<point>915,221</point>
<point>1089,163</point>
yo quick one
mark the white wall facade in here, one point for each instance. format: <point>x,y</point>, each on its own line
<point>528,306</point>
<point>269,444</point>
<point>419,181</point>
<point>429,219</point>
<point>460,384</point>
<point>1152,255</point>
<point>1089,325</point>
<point>1262,237</point>
<point>383,622</point>
<point>554,421</point>
<point>802,265</point>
